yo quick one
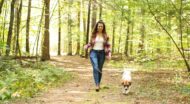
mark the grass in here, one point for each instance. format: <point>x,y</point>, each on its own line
<point>24,82</point>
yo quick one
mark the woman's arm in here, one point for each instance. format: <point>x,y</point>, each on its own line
<point>87,46</point>
<point>108,50</point>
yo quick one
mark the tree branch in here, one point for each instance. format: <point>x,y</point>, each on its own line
<point>187,65</point>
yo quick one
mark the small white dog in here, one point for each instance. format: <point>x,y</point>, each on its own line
<point>126,81</point>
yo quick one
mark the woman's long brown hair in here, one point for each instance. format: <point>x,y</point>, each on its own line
<point>95,30</point>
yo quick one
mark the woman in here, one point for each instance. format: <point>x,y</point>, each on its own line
<point>100,48</point>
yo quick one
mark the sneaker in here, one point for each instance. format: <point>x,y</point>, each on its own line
<point>97,88</point>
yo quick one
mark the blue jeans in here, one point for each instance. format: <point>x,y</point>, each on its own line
<point>97,58</point>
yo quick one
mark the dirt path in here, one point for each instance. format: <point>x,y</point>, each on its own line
<point>81,89</point>
<point>147,88</point>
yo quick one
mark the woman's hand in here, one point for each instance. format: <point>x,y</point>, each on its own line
<point>85,47</point>
<point>108,57</point>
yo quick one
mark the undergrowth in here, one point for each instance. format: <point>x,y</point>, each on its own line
<point>24,82</point>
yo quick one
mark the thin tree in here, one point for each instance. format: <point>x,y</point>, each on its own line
<point>19,13</point>
<point>4,26</point>
<point>69,29</point>
<point>88,24</point>
<point>131,38</point>
<point>142,33</point>
<point>1,5</point>
<point>121,27</point>
<point>180,26</point>
<point>38,33</point>
<point>9,38</point>
<point>128,34</point>
<point>113,34</point>
<point>94,10</point>
<point>78,37</point>
<point>188,42</point>
<point>17,29</point>
<point>100,10</point>
<point>45,46</point>
<point>59,29</point>
<point>84,27</point>
<point>28,27</point>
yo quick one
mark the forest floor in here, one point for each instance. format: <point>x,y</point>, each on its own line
<point>158,87</point>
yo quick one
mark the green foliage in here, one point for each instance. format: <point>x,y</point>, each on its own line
<point>149,63</point>
<point>163,65</point>
<point>2,44</point>
<point>26,82</point>
<point>8,65</point>
<point>185,89</point>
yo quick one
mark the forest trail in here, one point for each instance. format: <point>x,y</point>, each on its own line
<point>147,87</point>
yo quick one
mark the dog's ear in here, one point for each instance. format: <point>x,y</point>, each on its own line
<point>130,83</point>
<point>122,83</point>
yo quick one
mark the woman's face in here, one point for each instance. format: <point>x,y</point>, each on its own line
<point>100,27</point>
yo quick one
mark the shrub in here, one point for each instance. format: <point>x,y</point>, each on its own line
<point>16,81</point>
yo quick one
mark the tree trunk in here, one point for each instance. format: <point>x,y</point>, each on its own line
<point>69,29</point>
<point>59,29</point>
<point>127,40</point>
<point>188,43</point>
<point>13,44</point>
<point>28,27</point>
<point>131,38</point>
<point>94,10</point>
<point>113,34</point>
<point>128,34</point>
<point>19,14</point>
<point>88,24</point>
<point>1,5</point>
<point>78,37</point>
<point>9,38</point>
<point>121,27</point>
<point>39,31</point>
<point>4,27</point>
<point>84,28</point>
<point>120,34</point>
<point>45,47</point>
<point>142,33</point>
<point>180,26</point>
<point>100,12</point>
